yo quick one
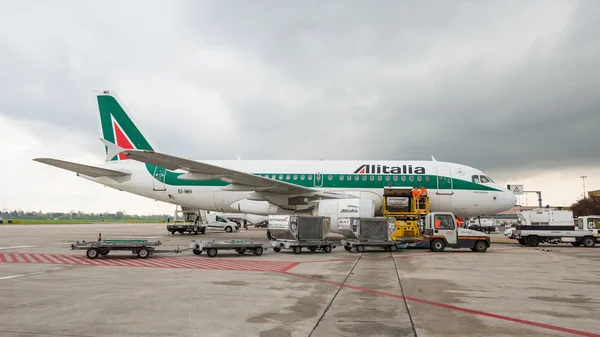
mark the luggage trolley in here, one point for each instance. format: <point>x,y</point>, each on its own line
<point>299,231</point>
<point>360,233</point>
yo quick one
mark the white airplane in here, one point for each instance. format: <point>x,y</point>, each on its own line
<point>267,187</point>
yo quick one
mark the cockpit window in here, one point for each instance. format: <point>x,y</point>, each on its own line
<point>482,179</point>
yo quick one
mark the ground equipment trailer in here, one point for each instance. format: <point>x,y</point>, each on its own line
<point>143,248</point>
<point>441,231</point>
<point>360,233</point>
<point>212,247</point>
<point>299,231</point>
<point>408,212</point>
<point>586,233</point>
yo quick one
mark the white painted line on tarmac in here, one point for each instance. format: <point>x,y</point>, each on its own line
<point>19,275</point>
<point>14,247</point>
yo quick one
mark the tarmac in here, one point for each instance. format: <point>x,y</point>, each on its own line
<point>46,289</point>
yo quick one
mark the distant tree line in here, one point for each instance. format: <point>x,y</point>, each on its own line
<point>32,215</point>
<point>586,206</point>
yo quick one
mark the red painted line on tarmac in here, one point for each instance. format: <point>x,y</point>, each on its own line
<point>452,307</point>
<point>290,267</point>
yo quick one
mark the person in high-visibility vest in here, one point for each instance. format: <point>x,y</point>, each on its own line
<point>423,190</point>
<point>438,223</point>
<point>416,193</point>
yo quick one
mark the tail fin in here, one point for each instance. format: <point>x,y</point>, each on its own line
<point>117,125</point>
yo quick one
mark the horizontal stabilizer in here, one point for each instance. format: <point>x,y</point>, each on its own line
<point>90,171</point>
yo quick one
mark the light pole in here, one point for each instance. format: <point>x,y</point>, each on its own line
<point>583,177</point>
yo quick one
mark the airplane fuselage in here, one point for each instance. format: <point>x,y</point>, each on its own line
<point>451,187</point>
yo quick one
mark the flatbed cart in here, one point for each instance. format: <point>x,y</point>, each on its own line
<point>360,245</point>
<point>143,248</point>
<point>299,231</point>
<point>297,245</point>
<point>212,247</point>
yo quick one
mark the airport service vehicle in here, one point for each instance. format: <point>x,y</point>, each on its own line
<point>486,225</point>
<point>299,231</point>
<point>143,248</point>
<point>212,247</point>
<point>546,217</point>
<point>360,233</point>
<point>441,231</point>
<point>193,221</point>
<point>270,187</point>
<point>586,233</point>
<point>408,212</point>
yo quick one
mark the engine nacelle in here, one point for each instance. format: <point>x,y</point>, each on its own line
<point>257,207</point>
<point>345,208</point>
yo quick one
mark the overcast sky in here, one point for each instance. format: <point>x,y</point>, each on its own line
<point>510,87</point>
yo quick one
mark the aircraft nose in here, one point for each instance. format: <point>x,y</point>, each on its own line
<point>511,199</point>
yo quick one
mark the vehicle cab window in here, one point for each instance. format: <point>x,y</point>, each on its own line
<point>593,223</point>
<point>220,219</point>
<point>444,222</point>
<point>580,223</point>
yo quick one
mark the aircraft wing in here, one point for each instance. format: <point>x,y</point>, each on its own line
<point>240,181</point>
<point>87,170</point>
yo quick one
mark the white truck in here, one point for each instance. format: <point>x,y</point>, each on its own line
<point>542,217</point>
<point>197,221</point>
<point>586,233</point>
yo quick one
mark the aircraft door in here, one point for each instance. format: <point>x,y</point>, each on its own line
<point>158,181</point>
<point>318,179</point>
<point>445,185</point>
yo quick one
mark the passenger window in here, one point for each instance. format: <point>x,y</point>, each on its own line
<point>379,178</point>
<point>364,178</point>
<point>475,179</point>
<point>295,177</point>
<point>349,177</point>
<point>580,223</point>
<point>356,178</point>
<point>372,178</point>
<point>330,177</point>
<point>287,177</point>
<point>281,177</point>
<point>395,178</point>
<point>302,177</point>
<point>341,177</point>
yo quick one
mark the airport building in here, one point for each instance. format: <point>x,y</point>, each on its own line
<point>595,193</point>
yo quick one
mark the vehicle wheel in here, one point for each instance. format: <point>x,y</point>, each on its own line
<point>92,253</point>
<point>480,246</point>
<point>241,252</point>
<point>228,229</point>
<point>523,242</point>
<point>387,248</point>
<point>393,248</point>
<point>589,241</point>
<point>203,231</point>
<point>258,251</point>
<point>197,251</point>
<point>533,241</point>
<point>347,248</point>
<point>312,249</point>
<point>327,249</point>
<point>143,253</point>
<point>360,248</point>
<point>297,249</point>
<point>181,232</point>
<point>269,236</point>
<point>195,232</point>
<point>276,249</point>
<point>438,245</point>
<point>173,232</point>
<point>211,252</point>
<point>576,244</point>
<point>104,252</point>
